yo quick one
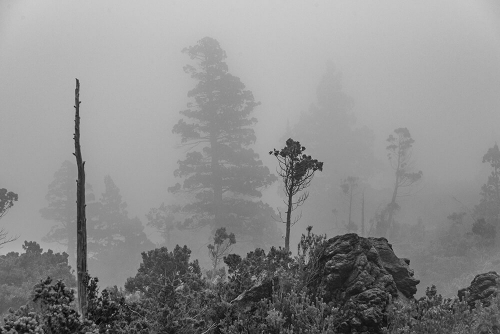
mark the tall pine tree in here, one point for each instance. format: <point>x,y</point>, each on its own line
<point>489,204</point>
<point>329,129</point>
<point>221,172</point>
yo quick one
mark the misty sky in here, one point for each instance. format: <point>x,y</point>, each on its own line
<point>431,66</point>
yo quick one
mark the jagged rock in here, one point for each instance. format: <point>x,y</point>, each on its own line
<point>481,288</point>
<point>361,276</point>
<point>398,268</point>
<point>358,275</point>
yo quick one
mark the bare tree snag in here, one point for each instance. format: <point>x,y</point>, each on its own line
<point>81,241</point>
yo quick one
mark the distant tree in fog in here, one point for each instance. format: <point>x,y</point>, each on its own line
<point>61,209</point>
<point>457,217</point>
<point>296,169</point>
<point>221,172</point>
<point>348,186</point>
<point>115,240</point>
<point>7,199</point>
<point>330,129</point>
<point>489,204</point>
<point>399,150</point>
<point>163,220</point>
<point>221,246</point>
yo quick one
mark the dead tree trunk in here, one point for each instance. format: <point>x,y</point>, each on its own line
<point>81,241</point>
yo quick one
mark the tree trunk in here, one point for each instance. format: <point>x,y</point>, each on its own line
<point>217,182</point>
<point>81,241</point>
<point>350,210</point>
<point>392,205</point>
<point>288,222</point>
<point>363,215</point>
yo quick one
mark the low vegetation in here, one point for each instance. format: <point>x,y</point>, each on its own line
<point>169,294</point>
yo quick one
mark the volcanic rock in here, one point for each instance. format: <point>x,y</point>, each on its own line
<point>482,287</point>
<point>360,276</point>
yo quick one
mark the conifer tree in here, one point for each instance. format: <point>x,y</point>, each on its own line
<point>61,209</point>
<point>489,204</point>
<point>116,240</point>
<point>221,172</point>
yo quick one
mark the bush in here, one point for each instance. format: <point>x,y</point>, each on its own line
<point>20,272</point>
<point>435,314</point>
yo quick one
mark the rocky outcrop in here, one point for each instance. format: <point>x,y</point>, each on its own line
<point>482,287</point>
<point>360,276</point>
<point>398,268</point>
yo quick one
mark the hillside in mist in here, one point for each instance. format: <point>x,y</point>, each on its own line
<point>182,102</point>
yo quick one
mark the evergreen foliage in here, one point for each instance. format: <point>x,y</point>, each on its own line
<point>61,208</point>
<point>221,172</point>
<point>221,246</point>
<point>7,199</point>
<point>20,272</point>
<point>168,295</point>
<point>330,129</point>
<point>489,204</point>
<point>296,169</point>
<point>115,240</point>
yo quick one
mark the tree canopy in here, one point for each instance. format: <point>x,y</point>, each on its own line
<point>115,240</point>
<point>221,172</point>
<point>7,199</point>
<point>61,208</point>
<point>296,169</point>
<point>20,272</point>
<point>489,204</point>
<point>399,153</point>
<point>330,129</point>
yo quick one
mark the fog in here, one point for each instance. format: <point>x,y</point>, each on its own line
<point>430,66</point>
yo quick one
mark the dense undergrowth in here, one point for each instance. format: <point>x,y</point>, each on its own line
<point>169,294</point>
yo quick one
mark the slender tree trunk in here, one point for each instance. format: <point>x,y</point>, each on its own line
<point>363,215</point>
<point>350,211</point>
<point>392,205</point>
<point>217,181</point>
<point>497,189</point>
<point>81,241</point>
<point>288,221</point>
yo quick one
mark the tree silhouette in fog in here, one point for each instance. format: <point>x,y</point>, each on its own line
<point>348,186</point>
<point>221,172</point>
<point>221,247</point>
<point>7,199</point>
<point>488,210</point>
<point>330,129</point>
<point>296,169</point>
<point>61,209</point>
<point>399,153</point>
<point>489,204</point>
<point>115,240</point>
